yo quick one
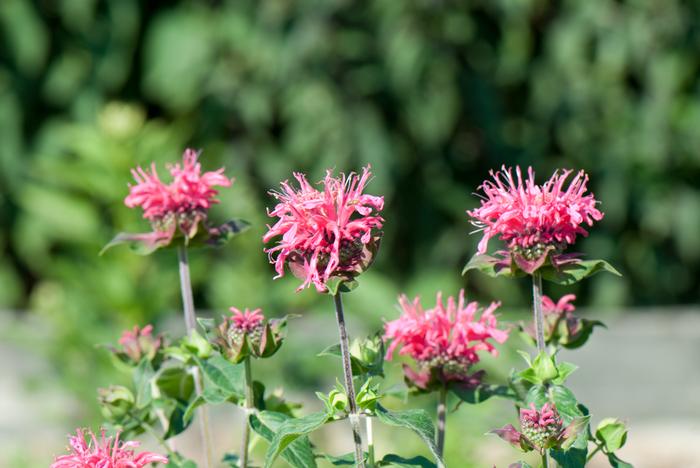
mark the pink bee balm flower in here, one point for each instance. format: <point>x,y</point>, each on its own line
<point>444,340</point>
<point>104,453</point>
<point>531,219</point>
<point>246,321</point>
<point>140,342</point>
<point>247,333</point>
<point>324,233</point>
<point>541,428</point>
<point>182,203</point>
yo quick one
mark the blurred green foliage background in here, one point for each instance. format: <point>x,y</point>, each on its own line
<point>432,94</point>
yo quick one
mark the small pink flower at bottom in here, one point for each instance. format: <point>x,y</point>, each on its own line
<point>89,452</point>
<point>444,340</point>
<point>542,428</point>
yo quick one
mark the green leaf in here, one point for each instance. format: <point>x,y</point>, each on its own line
<point>416,420</point>
<point>571,273</point>
<point>344,460</point>
<point>176,422</point>
<point>615,462</point>
<point>586,327</point>
<point>572,458</point>
<point>291,430</point>
<point>231,460</point>
<point>358,367</point>
<point>492,266</point>
<point>298,453</point>
<point>175,382</point>
<point>578,426</point>
<point>337,284</point>
<point>398,461</point>
<point>612,433</point>
<point>144,243</point>
<point>143,376</point>
<point>480,393</point>
<point>227,377</point>
<point>564,370</point>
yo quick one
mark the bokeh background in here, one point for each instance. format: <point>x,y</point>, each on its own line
<point>432,93</point>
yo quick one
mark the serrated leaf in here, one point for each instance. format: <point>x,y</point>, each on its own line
<point>416,420</point>
<point>398,461</point>
<point>492,266</point>
<point>571,273</point>
<point>298,453</point>
<point>612,433</point>
<point>220,373</point>
<point>291,430</point>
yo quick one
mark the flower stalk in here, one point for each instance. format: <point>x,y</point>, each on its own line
<point>349,385</point>
<point>537,310</point>
<point>248,406</point>
<point>190,324</point>
<point>441,415</point>
<point>370,443</point>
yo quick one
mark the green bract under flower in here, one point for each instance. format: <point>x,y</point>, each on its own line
<point>247,333</point>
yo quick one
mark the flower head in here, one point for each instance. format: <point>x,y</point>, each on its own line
<point>542,428</point>
<point>182,203</point>
<point>324,233</point>
<point>247,333</point>
<point>445,340</point>
<point>139,342</point>
<point>89,452</point>
<point>534,220</point>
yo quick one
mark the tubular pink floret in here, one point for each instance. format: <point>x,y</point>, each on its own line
<point>562,306</point>
<point>104,453</point>
<point>316,225</point>
<point>524,214</point>
<point>543,418</point>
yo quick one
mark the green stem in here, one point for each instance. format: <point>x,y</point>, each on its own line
<point>190,324</point>
<point>248,405</point>
<point>597,449</point>
<point>349,385</point>
<point>370,442</point>
<point>545,460</point>
<point>441,415</point>
<point>537,310</point>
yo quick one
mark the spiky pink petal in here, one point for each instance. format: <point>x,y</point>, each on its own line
<point>107,452</point>
<point>524,214</point>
